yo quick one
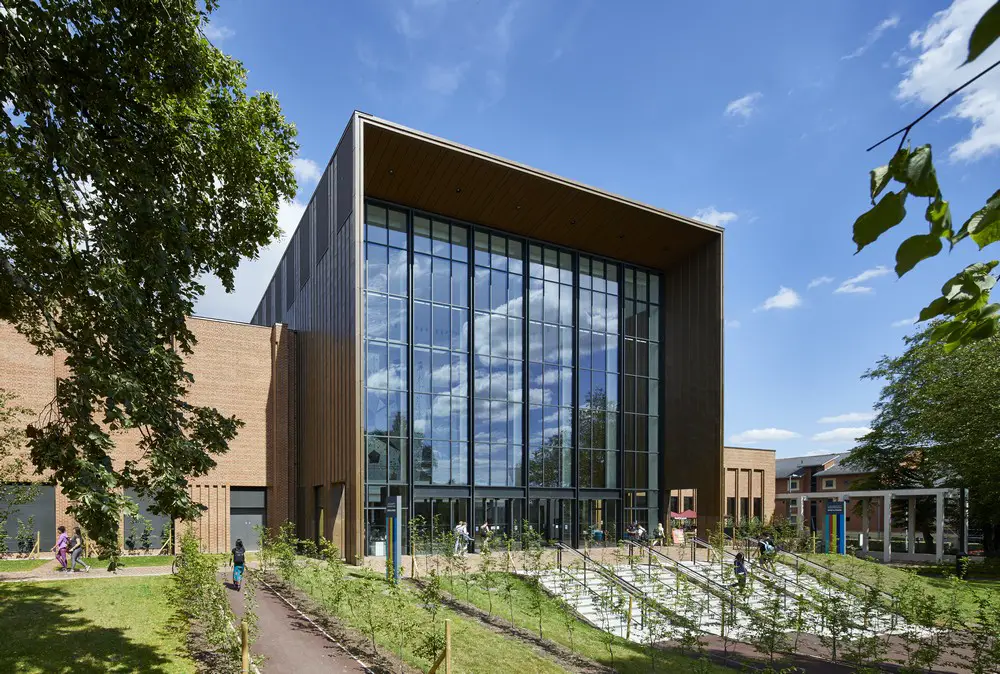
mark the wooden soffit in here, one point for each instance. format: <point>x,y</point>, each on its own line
<point>424,172</point>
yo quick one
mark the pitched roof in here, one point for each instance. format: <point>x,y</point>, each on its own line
<point>792,466</point>
<point>842,467</point>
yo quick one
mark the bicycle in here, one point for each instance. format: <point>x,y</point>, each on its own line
<point>178,563</point>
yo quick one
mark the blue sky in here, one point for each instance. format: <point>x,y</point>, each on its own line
<point>753,116</point>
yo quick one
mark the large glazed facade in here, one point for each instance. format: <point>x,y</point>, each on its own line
<point>494,344</point>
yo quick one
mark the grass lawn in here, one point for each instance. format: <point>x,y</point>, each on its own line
<point>475,649</point>
<point>21,564</point>
<point>893,578</point>
<point>100,625</point>
<point>134,561</point>
<point>629,658</point>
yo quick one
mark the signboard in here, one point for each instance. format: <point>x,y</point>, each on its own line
<point>678,536</point>
<point>390,509</point>
<point>834,507</point>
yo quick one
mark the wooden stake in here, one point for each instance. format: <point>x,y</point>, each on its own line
<point>628,620</point>
<point>447,647</point>
<point>245,638</point>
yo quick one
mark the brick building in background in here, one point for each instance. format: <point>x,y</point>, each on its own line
<point>811,474</point>
<point>242,370</point>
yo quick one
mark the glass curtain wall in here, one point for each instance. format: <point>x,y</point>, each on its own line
<point>386,289</point>
<point>440,352</point>
<point>598,436</point>
<point>641,397</point>
<point>550,373</point>
<point>498,372</point>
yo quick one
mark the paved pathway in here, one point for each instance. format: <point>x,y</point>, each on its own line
<point>51,572</point>
<point>288,641</point>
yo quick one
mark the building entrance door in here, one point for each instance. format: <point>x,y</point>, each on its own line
<point>440,516</point>
<point>552,518</point>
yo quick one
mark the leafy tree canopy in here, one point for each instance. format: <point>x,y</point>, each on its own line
<point>938,418</point>
<point>132,162</point>
<point>964,309</point>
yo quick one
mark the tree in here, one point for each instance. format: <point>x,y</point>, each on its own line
<point>132,163</point>
<point>13,491</point>
<point>964,301</point>
<point>927,430</point>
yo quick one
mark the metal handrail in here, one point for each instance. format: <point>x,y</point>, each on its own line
<point>621,581</point>
<point>771,577</point>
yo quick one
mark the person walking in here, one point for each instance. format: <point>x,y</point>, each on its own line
<point>62,544</point>
<point>76,548</point>
<point>239,561</point>
<point>485,531</point>
<point>461,538</point>
<point>740,568</point>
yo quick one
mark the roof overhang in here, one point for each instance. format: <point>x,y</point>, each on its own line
<point>421,171</point>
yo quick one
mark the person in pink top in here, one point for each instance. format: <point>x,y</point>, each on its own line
<point>61,546</point>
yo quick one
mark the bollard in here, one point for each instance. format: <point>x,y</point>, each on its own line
<point>245,638</point>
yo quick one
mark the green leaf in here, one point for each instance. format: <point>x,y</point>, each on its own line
<point>921,179</point>
<point>898,163</point>
<point>879,179</point>
<point>984,225</point>
<point>915,249</point>
<point>882,217</point>
<point>985,33</point>
<point>936,308</point>
<point>938,214</point>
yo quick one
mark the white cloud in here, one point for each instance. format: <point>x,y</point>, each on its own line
<point>941,48</point>
<point>744,106</point>
<point>306,171</point>
<point>252,276</point>
<point>786,298</point>
<point>854,284</point>
<point>842,434</point>
<point>763,435</point>
<point>850,417</point>
<point>444,80</point>
<point>819,281</point>
<point>905,322</point>
<point>873,37</point>
<point>733,324</point>
<point>714,217</point>
<point>218,33</point>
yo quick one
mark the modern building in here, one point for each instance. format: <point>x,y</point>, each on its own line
<point>485,340</point>
<point>749,486</point>
<point>491,342</point>
<point>820,473</point>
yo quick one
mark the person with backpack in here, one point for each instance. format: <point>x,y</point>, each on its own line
<point>239,563</point>
<point>740,568</point>
<point>768,554</point>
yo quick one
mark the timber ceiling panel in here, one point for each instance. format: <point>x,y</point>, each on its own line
<point>427,173</point>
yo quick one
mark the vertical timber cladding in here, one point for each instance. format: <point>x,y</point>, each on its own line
<point>692,380</point>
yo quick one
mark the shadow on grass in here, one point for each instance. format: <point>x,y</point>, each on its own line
<point>40,633</point>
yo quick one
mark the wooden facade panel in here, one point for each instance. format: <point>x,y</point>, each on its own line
<point>692,380</point>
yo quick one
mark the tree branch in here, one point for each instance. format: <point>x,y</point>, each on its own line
<point>906,129</point>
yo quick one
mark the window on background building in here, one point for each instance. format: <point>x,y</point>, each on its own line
<point>731,506</point>
<point>673,504</point>
<point>758,508</point>
<point>745,507</point>
<point>440,352</point>
<point>598,374</point>
<point>689,503</point>
<point>550,368</point>
<point>829,483</point>
<point>498,381</point>
<point>641,389</point>
<point>793,485</point>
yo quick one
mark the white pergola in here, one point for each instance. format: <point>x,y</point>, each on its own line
<point>887,495</point>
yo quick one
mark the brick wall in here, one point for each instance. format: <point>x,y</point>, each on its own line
<point>239,369</point>
<point>750,474</point>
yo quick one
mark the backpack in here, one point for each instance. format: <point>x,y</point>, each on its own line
<point>768,548</point>
<point>238,556</point>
